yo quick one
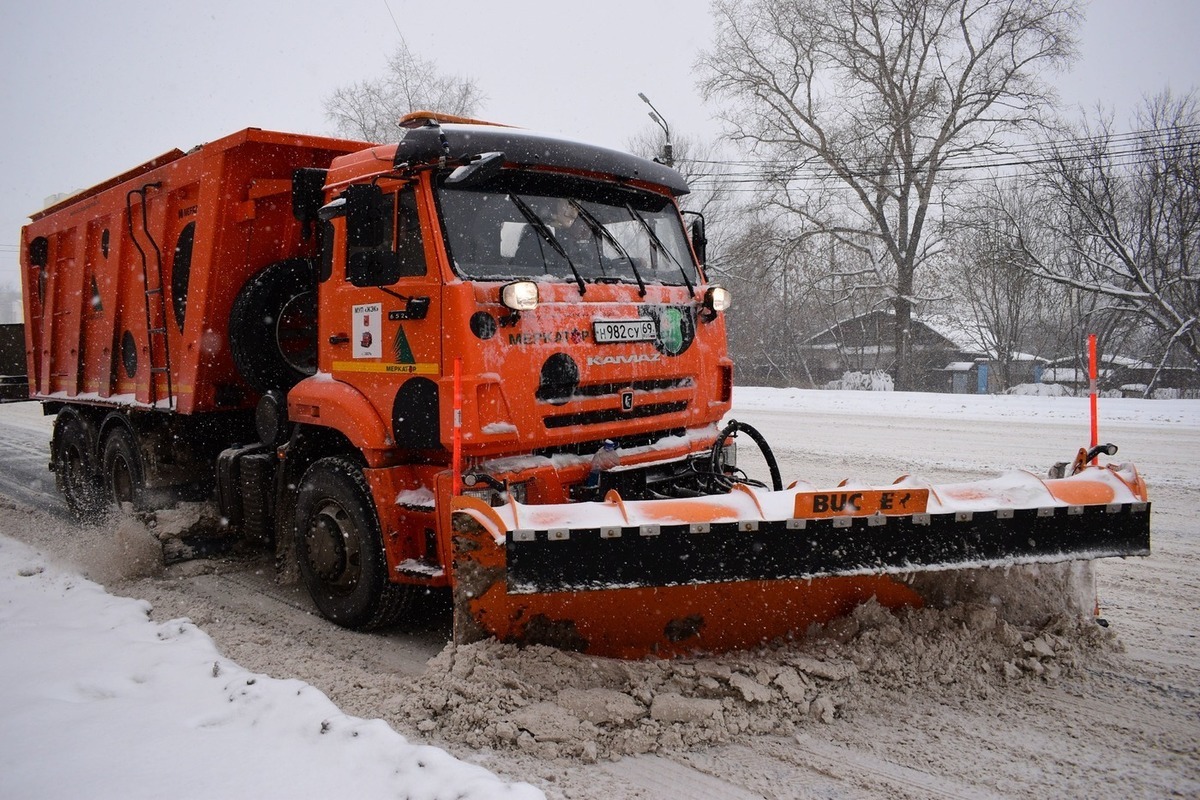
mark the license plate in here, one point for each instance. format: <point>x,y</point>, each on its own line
<point>624,330</point>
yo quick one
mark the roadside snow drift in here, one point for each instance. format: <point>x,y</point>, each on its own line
<point>97,699</point>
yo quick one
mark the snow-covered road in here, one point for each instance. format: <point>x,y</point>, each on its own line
<point>952,703</point>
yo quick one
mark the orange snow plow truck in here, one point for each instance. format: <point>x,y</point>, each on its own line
<point>477,359</point>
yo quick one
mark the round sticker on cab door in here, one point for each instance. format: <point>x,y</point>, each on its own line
<point>676,328</point>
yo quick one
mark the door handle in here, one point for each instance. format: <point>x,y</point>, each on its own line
<point>339,338</point>
<point>415,308</point>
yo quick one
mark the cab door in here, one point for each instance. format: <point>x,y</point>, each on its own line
<point>383,313</point>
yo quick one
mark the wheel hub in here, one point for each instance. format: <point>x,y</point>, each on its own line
<point>326,545</point>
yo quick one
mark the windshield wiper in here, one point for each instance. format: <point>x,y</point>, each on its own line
<point>604,233</point>
<point>543,229</point>
<point>658,243</point>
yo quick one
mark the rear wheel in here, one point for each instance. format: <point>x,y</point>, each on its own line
<point>75,473</point>
<point>122,476</point>
<point>340,549</point>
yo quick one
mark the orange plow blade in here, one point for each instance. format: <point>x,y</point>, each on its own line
<point>717,573</point>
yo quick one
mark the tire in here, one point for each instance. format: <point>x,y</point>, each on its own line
<point>122,477</point>
<point>340,550</point>
<point>273,326</point>
<point>75,471</point>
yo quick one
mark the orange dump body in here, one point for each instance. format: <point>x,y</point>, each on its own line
<point>130,284</point>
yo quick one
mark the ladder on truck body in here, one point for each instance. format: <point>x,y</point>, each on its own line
<point>155,298</point>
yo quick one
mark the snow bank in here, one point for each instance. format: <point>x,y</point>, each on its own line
<point>94,697</point>
<point>922,405</point>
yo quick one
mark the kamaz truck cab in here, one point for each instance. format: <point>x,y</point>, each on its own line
<point>493,307</point>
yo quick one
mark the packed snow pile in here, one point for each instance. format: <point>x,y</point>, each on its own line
<point>557,704</point>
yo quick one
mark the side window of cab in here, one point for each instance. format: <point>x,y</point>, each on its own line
<point>383,236</point>
<point>410,249</point>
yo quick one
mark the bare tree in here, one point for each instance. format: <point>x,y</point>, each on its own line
<point>774,306</point>
<point>861,109</point>
<point>1126,209</point>
<point>1003,301</point>
<point>369,109</point>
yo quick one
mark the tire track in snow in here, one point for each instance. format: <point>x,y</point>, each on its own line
<point>665,777</point>
<point>25,476</point>
<point>810,767</point>
<point>247,596</point>
<point>1166,724</point>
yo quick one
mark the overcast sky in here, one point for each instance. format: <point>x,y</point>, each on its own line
<point>94,88</point>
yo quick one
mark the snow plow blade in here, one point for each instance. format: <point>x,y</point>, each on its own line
<point>664,577</point>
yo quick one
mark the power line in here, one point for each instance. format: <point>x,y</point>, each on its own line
<point>395,24</point>
<point>1135,148</point>
<point>1014,151</point>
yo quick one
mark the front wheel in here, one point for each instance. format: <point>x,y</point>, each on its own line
<point>340,549</point>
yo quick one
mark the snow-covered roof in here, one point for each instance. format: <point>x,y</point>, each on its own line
<point>956,333</point>
<point>962,335</point>
<point>1127,362</point>
<point>1069,375</point>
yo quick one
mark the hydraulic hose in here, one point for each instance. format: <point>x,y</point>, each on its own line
<point>732,429</point>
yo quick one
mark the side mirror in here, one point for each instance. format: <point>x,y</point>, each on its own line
<point>699,240</point>
<point>479,169</point>
<point>366,221</point>
<point>308,193</point>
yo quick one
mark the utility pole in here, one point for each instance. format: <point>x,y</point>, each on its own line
<point>668,151</point>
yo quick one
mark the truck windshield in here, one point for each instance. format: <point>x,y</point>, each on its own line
<point>521,226</point>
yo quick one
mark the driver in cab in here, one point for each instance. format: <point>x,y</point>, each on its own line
<point>571,232</point>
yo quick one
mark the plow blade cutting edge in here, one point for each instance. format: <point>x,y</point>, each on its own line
<point>664,577</point>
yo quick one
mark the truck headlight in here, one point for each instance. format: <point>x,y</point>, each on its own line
<point>717,298</point>
<point>520,295</point>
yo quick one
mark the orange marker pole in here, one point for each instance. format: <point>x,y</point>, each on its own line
<point>456,457</point>
<point>1094,390</point>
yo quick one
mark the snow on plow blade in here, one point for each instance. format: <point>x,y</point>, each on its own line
<point>724,572</point>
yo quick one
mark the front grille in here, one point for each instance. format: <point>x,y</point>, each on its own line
<point>655,385</point>
<point>614,414</point>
